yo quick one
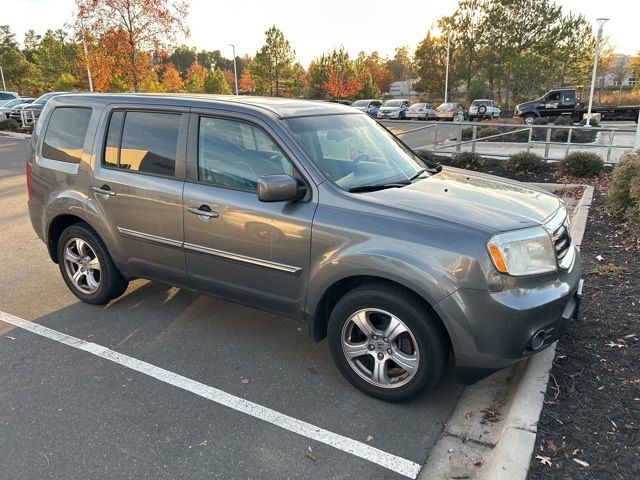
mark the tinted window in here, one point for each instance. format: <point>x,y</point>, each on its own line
<point>148,142</point>
<point>6,96</point>
<point>65,134</point>
<point>237,154</point>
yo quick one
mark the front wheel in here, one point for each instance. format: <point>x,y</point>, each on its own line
<point>387,343</point>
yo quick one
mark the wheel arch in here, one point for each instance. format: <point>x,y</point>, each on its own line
<point>333,293</point>
<point>55,228</point>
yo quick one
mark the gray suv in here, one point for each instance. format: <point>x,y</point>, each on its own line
<point>311,210</point>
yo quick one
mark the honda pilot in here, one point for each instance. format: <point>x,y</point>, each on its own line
<point>311,210</point>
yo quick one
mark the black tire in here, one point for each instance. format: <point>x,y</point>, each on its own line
<point>529,118</point>
<point>111,282</point>
<point>430,337</point>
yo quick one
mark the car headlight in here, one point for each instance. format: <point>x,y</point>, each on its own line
<point>528,251</point>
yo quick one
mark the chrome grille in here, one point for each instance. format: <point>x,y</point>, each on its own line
<point>562,240</point>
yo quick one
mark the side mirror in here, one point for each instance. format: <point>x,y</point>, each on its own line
<point>279,188</point>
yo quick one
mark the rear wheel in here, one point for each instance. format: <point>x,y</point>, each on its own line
<point>386,343</point>
<point>87,267</point>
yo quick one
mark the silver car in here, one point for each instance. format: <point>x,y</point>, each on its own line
<point>420,111</point>
<point>483,108</point>
<point>311,210</point>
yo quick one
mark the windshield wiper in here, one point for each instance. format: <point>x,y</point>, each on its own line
<point>378,186</point>
<point>418,173</point>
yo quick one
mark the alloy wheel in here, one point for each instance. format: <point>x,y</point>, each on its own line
<point>82,265</point>
<point>380,348</point>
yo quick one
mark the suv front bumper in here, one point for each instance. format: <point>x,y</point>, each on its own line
<point>492,330</point>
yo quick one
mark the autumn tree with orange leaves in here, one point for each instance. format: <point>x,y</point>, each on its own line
<point>339,85</point>
<point>143,24</point>
<point>194,78</point>
<point>171,80</point>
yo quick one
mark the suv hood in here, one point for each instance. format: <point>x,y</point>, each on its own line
<point>464,197</point>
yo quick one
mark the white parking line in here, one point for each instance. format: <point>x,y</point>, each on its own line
<point>392,462</point>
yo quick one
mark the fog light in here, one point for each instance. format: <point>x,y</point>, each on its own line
<point>537,340</point>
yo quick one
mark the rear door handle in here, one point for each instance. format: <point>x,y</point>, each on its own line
<point>105,190</point>
<point>204,212</point>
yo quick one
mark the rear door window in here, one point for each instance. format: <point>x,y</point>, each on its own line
<point>64,138</point>
<point>145,142</point>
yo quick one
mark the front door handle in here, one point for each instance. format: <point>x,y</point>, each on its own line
<point>204,212</point>
<point>104,190</point>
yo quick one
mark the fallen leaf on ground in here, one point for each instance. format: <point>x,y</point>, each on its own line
<point>311,456</point>
<point>581,462</point>
<point>477,464</point>
<point>551,445</point>
<point>544,460</point>
<point>245,381</point>
<point>615,344</point>
<point>10,338</point>
<point>203,443</point>
<point>369,438</point>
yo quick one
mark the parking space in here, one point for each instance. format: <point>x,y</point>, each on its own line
<point>71,413</point>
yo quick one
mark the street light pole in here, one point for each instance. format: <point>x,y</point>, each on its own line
<point>86,55</point>
<point>446,74</point>
<point>4,86</point>
<point>235,68</point>
<point>601,22</point>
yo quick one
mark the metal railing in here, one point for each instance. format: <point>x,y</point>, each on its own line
<point>537,137</point>
<point>27,117</point>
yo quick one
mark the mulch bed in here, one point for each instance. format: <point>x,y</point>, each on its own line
<point>592,405</point>
<point>590,423</point>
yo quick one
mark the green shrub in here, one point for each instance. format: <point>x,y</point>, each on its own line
<point>540,121</point>
<point>559,135</point>
<point>625,175</point>
<point>581,164</point>
<point>525,162</point>
<point>594,122</point>
<point>468,160</point>
<point>9,125</point>
<point>563,121</point>
<point>488,131</point>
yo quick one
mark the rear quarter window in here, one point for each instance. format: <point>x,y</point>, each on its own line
<point>66,130</point>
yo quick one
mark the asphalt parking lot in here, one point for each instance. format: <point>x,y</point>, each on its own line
<point>168,383</point>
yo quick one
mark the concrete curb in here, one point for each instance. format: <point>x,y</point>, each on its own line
<point>23,136</point>
<point>511,457</point>
<point>492,431</point>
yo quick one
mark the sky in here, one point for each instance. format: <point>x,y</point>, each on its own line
<point>315,27</point>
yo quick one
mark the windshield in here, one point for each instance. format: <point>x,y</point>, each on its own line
<point>354,151</point>
<point>392,103</point>
<point>43,99</point>
<point>360,103</point>
<point>417,105</point>
<point>446,105</point>
<point>478,103</point>
<point>12,103</point>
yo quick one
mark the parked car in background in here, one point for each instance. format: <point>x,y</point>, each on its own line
<point>395,109</point>
<point>483,108</point>
<point>34,108</point>
<point>369,106</point>
<point>311,210</point>
<point>342,102</point>
<point>566,102</point>
<point>450,111</point>
<point>6,107</point>
<point>6,96</point>
<point>421,111</point>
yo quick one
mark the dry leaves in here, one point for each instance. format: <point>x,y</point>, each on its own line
<point>311,456</point>
<point>544,460</point>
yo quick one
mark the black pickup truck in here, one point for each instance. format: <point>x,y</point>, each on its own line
<point>567,102</point>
